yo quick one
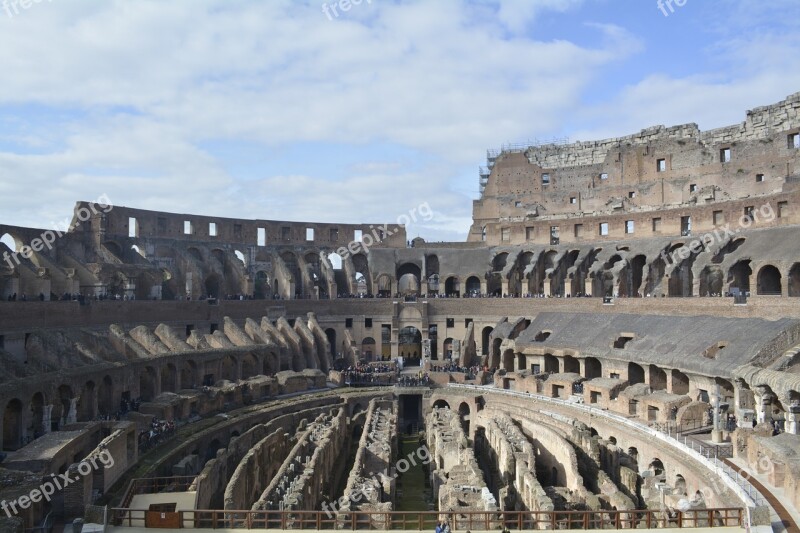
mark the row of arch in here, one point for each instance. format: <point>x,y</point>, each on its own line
<point>25,419</point>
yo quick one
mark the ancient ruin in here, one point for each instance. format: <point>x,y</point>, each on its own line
<point>616,345</point>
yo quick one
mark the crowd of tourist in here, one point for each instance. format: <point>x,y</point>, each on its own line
<point>422,379</point>
<point>160,430</point>
<point>365,374</point>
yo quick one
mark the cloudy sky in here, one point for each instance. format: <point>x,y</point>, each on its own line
<point>294,110</point>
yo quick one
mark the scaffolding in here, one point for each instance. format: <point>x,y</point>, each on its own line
<point>493,154</point>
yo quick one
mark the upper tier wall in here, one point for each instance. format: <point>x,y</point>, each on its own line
<point>148,224</point>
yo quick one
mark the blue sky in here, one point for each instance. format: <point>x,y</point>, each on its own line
<point>271,109</point>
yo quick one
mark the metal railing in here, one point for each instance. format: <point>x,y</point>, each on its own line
<point>426,520</point>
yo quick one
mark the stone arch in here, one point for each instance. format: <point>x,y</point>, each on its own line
<point>169,378</point>
<point>195,254</point>
<point>464,414</point>
<point>452,286</point>
<point>658,378</point>
<point>769,281</point>
<point>794,280</point>
<point>739,275</point>
<point>680,382</point>
<point>169,287</point>
<point>262,289</point>
<point>189,374</point>
<point>228,368</point>
<point>712,281</point>
<point>12,425</point>
<point>408,279</point>
<point>88,402</point>
<point>11,242</point>
<point>105,396</point>
<point>213,285</point>
<point>657,467</point>
<point>368,348</point>
<point>550,363</point>
<point>441,404</point>
<point>410,345</point>
<point>486,334</point>
<point>330,334</point>
<point>494,362</point>
<point>593,368</point>
<point>250,366</point>
<point>508,360</point>
<point>635,374</point>
<point>271,364</point>
<point>473,286</point>
<point>571,365</point>
<point>147,384</point>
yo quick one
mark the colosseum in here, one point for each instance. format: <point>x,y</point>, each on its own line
<point>615,346</point>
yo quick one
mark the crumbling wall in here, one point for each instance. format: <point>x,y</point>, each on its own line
<point>371,483</point>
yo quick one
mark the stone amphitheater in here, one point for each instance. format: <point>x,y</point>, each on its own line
<point>615,346</point>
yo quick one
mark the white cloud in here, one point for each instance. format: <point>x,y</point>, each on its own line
<point>125,94</point>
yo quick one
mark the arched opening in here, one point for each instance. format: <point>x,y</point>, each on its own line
<point>271,364</point>
<point>228,368</point>
<point>739,276</point>
<point>12,425</point>
<point>680,485</point>
<point>105,397</point>
<point>250,366</point>
<point>794,280</point>
<point>657,467</point>
<point>408,279</point>
<point>494,361</point>
<point>447,348</point>
<point>368,348</point>
<point>485,336</point>
<point>261,288</point>
<point>139,251</point>
<point>550,364</point>
<point>363,278</point>
<point>635,374</point>
<point>169,378</point>
<point>330,334</point>
<point>593,368</point>
<point>769,281</point>
<point>147,384</point>
<point>452,287</point>
<point>410,345</point>
<point>169,287</point>
<point>10,242</point>
<point>473,286</point>
<point>571,365</point>
<point>463,412</point>
<point>213,286</point>
<point>711,281</point>
<point>88,402</point>
<point>680,382</point>
<point>658,378</point>
<point>189,375</point>
<point>441,404</point>
<point>508,360</point>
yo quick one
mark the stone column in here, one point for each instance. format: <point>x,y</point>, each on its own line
<point>793,420</point>
<point>72,415</point>
<point>763,403</point>
<point>546,285</point>
<point>47,413</point>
